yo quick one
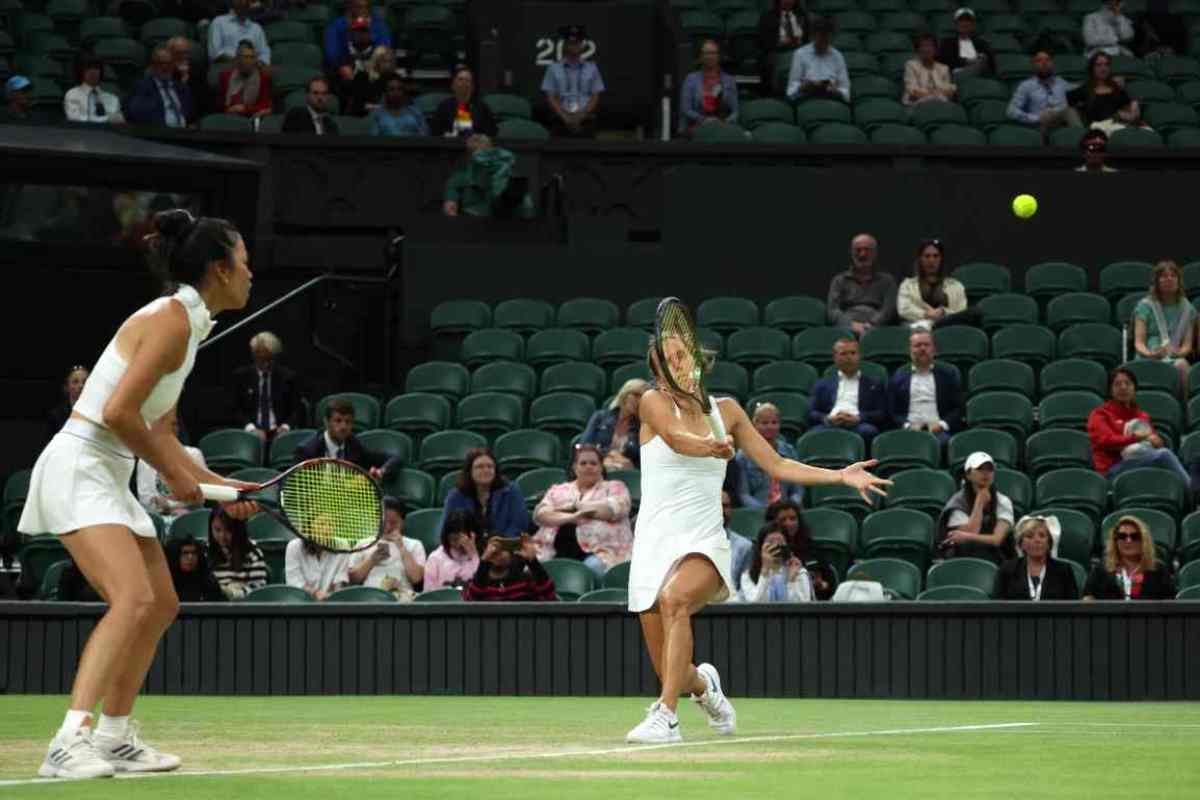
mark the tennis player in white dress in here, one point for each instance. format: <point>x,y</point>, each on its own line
<point>681,557</point>
<point>79,489</point>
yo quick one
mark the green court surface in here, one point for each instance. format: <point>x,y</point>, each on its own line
<point>400,748</point>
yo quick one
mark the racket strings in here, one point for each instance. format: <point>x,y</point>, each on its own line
<point>675,322</point>
<point>333,506</point>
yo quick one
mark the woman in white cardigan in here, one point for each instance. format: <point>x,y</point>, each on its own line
<point>776,574</point>
<point>930,298</point>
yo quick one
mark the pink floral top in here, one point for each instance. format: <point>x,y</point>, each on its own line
<point>611,542</point>
<point>443,570</point>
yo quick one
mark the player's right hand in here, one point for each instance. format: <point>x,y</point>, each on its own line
<point>723,449</point>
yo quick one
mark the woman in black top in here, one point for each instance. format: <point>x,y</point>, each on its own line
<point>1101,96</point>
<point>1036,575</point>
<point>1130,570</point>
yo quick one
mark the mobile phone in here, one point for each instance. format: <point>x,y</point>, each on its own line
<point>511,545</point>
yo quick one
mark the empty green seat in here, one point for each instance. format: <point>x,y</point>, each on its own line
<point>785,376</point>
<point>460,316</point>
<point>489,414</point>
<point>1018,487</point>
<point>288,31</point>
<point>617,576</point>
<point>893,135</point>
<point>953,593</point>
<point>226,123</point>
<point>931,116</point>
<point>534,483</point>
<point>366,409</point>
<point>445,450</point>
<point>264,527</point>
<point>626,372</point>
<point>876,111</point>
<point>755,346</point>
<point>834,537</point>
<point>832,448</point>
<point>156,32</point>
<point>448,594</point>
<point>570,576</point>
<point>575,376</point>
<point>814,346</point>
<point>1005,411</point>
<point>418,413</point>
<point>523,315</point>
<point>728,378</point>
<point>754,113</point>
<point>394,443</point>
<point>836,133</point>
<point>727,314</point>
<point>974,572</point>
<point>492,344</point>
<point>1074,308</point>
<point>505,376</point>
<point>779,133</point>
<point>981,279</point>
<point>839,497</point>
<point>632,479</point>
<point>1014,136</point>
<point>616,595</point>
<point>1081,489</point>
<point>886,345</point>
<point>899,577</point>
<point>1056,449</point>
<point>1000,445</point>
<point>564,413</point>
<point>1051,278</point>
<point>1001,310</point>
<point>94,29</point>
<point>1149,487</point>
<point>1067,410</point>
<point>524,450</point>
<point>902,533</point>
<point>904,449</point>
<point>589,314</point>
<point>1189,538</point>
<point>864,86</point>
<point>1135,139</point>
<point>439,377</point>
<point>230,449</point>
<point>522,129</point>
<point>999,375</point>
<point>278,593</point>
<point>1091,340</point>
<point>1123,277</point>
<point>924,490</point>
<point>360,594</point>
<point>415,487</point>
<point>557,345</point>
<point>620,346</point>
<point>1074,375</point>
<point>961,345</point>
<point>508,106</point>
<point>283,447</point>
<point>1154,376</point>
<point>794,314</point>
<point>299,54</point>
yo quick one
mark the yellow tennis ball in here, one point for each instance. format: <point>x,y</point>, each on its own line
<point>1025,205</point>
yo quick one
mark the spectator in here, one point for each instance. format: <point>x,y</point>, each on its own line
<point>355,66</point>
<point>849,399</point>
<point>237,563</point>
<point>929,298</point>
<point>18,90</point>
<point>316,571</point>
<point>758,488</point>
<point>1037,574</point>
<point>787,516</point>
<point>572,88</point>
<point>781,29</point>
<point>776,574</point>
<point>365,92</point>
<point>314,116</point>
<point>87,102</point>
<point>483,491</point>
<point>740,547</point>
<point>337,34</point>
<point>1164,321</point>
<point>1130,570</point>
<point>1095,146</point>
<point>338,441</point>
<point>457,559</point>
<point>193,580</point>
<point>463,113</point>
<point>160,99</point>
<point>507,574</point>
<point>397,116</point>
<point>616,429</point>
<point>967,55</point>
<point>267,393</point>
<point>72,387</point>
<point>1101,96</point>
<point>926,396</point>
<point>151,492</point>
<point>1042,99</point>
<point>486,186</point>
<point>397,563</point>
<point>586,518</point>
<point>925,78</point>
<point>246,87</point>
<point>227,32</point>
<point>1123,436</point>
<point>709,94</point>
<point>818,69</point>
<point>1108,31</point>
<point>861,298</point>
<point>196,80</point>
<point>976,520</point>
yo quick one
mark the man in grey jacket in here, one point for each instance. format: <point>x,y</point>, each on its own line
<point>861,298</point>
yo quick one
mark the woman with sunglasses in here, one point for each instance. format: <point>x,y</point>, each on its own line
<point>1130,570</point>
<point>930,298</point>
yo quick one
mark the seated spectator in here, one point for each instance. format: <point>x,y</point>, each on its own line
<point>1101,96</point>
<point>495,501</point>
<point>160,99</point>
<point>776,574</point>
<point>967,55</point>
<point>926,396</point>
<point>245,88</point>
<point>616,429</point>
<point>463,113</point>
<point>151,492</point>
<point>977,518</point>
<point>849,400</point>
<point>397,563</point>
<point>739,546</point>
<point>1036,574</point>
<point>1108,31</point>
<point>1095,148</point>
<point>862,297</point>
<point>267,393</point>
<point>18,91</point>
<point>365,91</point>
<point>237,563</point>
<point>1130,569</point>
<point>758,488</point>
<point>509,571</point>
<point>337,34</point>
<point>818,68</point>
<point>313,117</point>
<point>316,571</point>
<point>227,32</point>
<point>190,573</point>
<point>781,29</point>
<point>572,87</point>
<point>73,587</point>
<point>925,78</point>
<point>1164,321</point>
<point>355,66</point>
<point>72,387</point>
<point>338,441</point>
<point>87,102</point>
<point>456,560</point>
<point>1127,116</point>
<point>586,518</point>
<point>397,116</point>
<point>1123,436</point>
<point>787,516</point>
<point>1042,99</point>
<point>486,184</point>
<point>930,298</point>
<point>196,80</point>
<point>709,94</point>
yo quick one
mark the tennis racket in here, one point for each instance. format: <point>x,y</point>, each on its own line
<point>673,321</point>
<point>333,504</point>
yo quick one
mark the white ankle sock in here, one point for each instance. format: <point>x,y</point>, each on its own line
<point>75,720</point>
<point>112,727</point>
<point>670,715</point>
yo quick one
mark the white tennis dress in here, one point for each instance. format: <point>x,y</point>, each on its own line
<point>82,477</point>
<point>680,514</point>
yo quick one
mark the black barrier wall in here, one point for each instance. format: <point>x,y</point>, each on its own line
<point>1043,651</point>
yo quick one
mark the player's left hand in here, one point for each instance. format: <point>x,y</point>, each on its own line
<point>857,477</point>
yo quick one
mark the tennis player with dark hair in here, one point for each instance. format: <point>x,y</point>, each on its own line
<point>80,488</point>
<point>681,555</point>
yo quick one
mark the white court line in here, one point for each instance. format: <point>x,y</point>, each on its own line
<point>556,754</point>
<point>1172,725</point>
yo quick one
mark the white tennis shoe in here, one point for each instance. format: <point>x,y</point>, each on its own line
<point>74,755</point>
<point>660,726</point>
<point>130,754</point>
<point>716,706</point>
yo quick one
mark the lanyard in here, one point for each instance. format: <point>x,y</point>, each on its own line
<point>1127,583</point>
<point>1036,586</point>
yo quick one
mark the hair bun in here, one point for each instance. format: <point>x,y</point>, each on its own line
<point>174,224</point>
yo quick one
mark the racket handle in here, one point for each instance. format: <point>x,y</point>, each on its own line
<point>224,494</point>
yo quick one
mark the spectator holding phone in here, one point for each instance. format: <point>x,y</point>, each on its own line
<point>776,575</point>
<point>510,571</point>
<point>396,563</point>
<point>818,68</point>
<point>787,516</point>
<point>457,559</point>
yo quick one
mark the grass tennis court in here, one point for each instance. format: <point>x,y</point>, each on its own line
<point>451,747</point>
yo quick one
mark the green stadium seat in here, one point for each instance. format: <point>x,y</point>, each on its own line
<point>1189,539</point>
<point>931,116</point>
<point>126,56</point>
<point>427,102</point>
<point>94,29</point>
<point>728,378</point>
<point>794,314</point>
<point>793,410</point>
<point>842,498</point>
<point>1124,277</point>
<point>831,448</point>
<point>811,114</point>
<point>1161,522</point>
<point>257,474</point>
<point>925,490</point>
<point>1001,375</point>
<point>230,449</point>
<point>226,123</point>
<point>523,315</point>
<point>720,133</point>
<point>1074,375</point>
<point>1000,445</point>
<point>490,414</point>
<point>1148,487</point>
<point>954,594</point>
<point>1184,138</point>
<point>1052,278</point>
<point>1018,487</point>
<point>779,133</point>
<point>418,413</point>
<point>1005,411</point>
<point>1081,489</point>
<point>617,576</point>
<point>508,377</point>
<point>264,527</point>
<point>1067,410</point>
<point>445,485</point>
<point>768,109</point>
<point>283,447</point>
<point>619,596</point>
<point>711,341</point>
<point>1002,310</point>
<point>1177,69</point>
<point>626,372</point>
<point>1134,139</point>
<point>431,37</point>
<point>989,114</point>
<point>620,346</point>
<point>508,106</point>
<point>352,126</point>
<point>575,376</point>
<point>727,314</point>
<point>1067,138</point>
<point>901,533</point>
<point>835,537</point>
<point>564,414</point>
<point>632,479</point>
<point>394,443</point>
<point>900,577</point>
<point>492,344</point>
<point>981,279</point>
<point>1056,449</point>
<point>1190,593</point>
<point>1189,449</point>
<point>888,41</point>
<point>51,578</point>
<point>445,450</point>
<point>360,594</point>
<point>1075,308</point>
<point>961,345</point>
<point>297,54</point>
<point>974,572</point>
<point>445,378</point>
<point>1014,136</point>
<point>590,315</point>
<point>367,413</point>
<point>876,111</point>
<point>556,345</point>
<point>289,78</point>
<point>415,487</point>
<point>904,449</point>
<point>814,346</point>
<point>886,345</point>
<point>855,22</point>
<point>897,135</point>
<point>1012,67</point>
<point>747,521</point>
<point>866,86</point>
<point>1123,309</point>
<point>754,346</point>
<point>534,483</point>
<point>156,32</point>
<point>1150,92</point>
<point>848,42</point>
<point>191,523</point>
<point>288,30</point>
<point>460,316</point>
<point>570,575</point>
<point>975,90</point>
<point>522,129</point>
<point>278,593</point>
<point>784,376</point>
<point>521,451</point>
<point>16,489</point>
<point>1154,376</point>
<point>956,135</point>
<point>448,594</point>
<point>1091,340</point>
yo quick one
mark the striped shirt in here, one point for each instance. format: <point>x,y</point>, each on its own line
<point>533,583</point>
<point>239,583</point>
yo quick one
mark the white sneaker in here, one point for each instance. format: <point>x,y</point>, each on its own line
<point>74,755</point>
<point>130,754</point>
<point>659,727</point>
<point>721,716</point>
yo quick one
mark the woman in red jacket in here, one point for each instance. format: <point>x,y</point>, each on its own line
<point>1123,436</point>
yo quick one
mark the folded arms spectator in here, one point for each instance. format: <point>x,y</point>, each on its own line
<point>87,102</point>
<point>926,396</point>
<point>709,94</point>
<point>1130,569</point>
<point>926,79</point>
<point>246,87</point>
<point>505,575</point>
<point>572,87</point>
<point>931,298</point>
<point>496,502</point>
<point>1123,436</point>
<point>862,297</point>
<point>849,400</point>
<point>818,68</point>
<point>463,113</point>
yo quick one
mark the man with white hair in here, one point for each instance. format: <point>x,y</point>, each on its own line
<point>268,394</point>
<point>862,297</point>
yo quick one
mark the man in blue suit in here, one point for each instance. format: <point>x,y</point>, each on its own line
<point>925,395</point>
<point>849,400</point>
<point>159,99</point>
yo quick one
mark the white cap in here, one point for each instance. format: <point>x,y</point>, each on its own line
<point>977,460</point>
<point>964,12</point>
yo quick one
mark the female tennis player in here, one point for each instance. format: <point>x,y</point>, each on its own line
<point>681,557</point>
<point>80,488</point>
